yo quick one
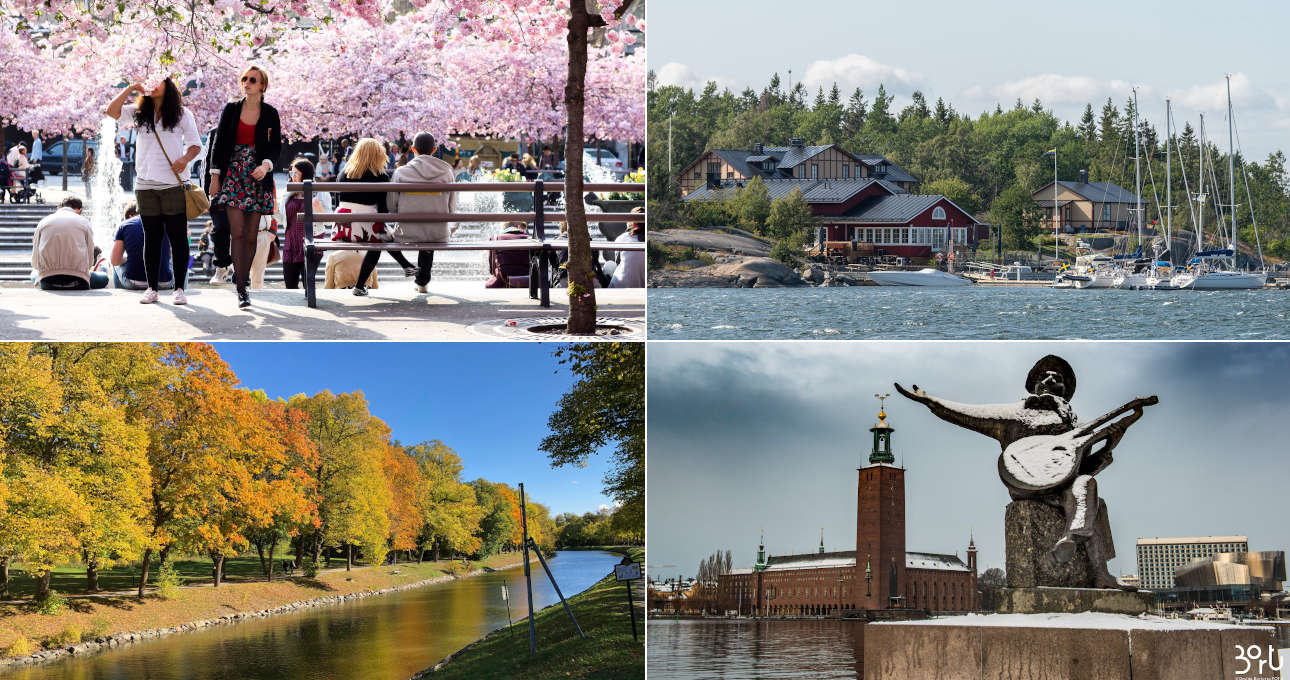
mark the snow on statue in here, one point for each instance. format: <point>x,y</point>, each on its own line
<point>1049,456</point>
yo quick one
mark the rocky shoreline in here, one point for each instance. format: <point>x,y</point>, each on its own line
<point>737,271</point>
<point>123,639</point>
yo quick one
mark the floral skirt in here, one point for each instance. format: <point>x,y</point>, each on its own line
<point>238,189</point>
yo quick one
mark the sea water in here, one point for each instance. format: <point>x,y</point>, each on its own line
<point>971,313</point>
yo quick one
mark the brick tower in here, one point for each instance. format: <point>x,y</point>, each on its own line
<point>880,525</point>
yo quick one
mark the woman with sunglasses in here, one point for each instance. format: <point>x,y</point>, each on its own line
<point>248,142</point>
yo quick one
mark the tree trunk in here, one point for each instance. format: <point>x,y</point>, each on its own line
<point>143,576</point>
<point>272,546</point>
<point>421,557</point>
<point>300,552</point>
<point>218,570</point>
<point>92,575</point>
<point>165,554</point>
<point>436,550</point>
<point>318,548</point>
<point>259,549</point>
<point>4,561</point>
<point>582,285</point>
<point>42,584</point>
<point>349,556</point>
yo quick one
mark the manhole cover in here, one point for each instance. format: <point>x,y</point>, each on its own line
<point>551,329</point>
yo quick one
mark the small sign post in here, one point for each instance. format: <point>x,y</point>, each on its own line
<point>628,571</point>
<point>509,623</point>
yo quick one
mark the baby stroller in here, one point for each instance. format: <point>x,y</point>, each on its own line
<point>15,185</point>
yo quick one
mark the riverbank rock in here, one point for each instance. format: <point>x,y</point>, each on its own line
<point>715,239</point>
<point>730,272</point>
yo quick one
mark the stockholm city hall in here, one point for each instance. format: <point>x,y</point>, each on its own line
<point>878,575</point>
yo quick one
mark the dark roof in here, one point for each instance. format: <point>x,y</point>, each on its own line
<point>895,173</point>
<point>897,209</point>
<point>738,159</point>
<point>777,560</point>
<point>1100,192</point>
<point>813,190</point>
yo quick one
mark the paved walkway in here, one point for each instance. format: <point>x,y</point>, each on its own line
<point>453,310</point>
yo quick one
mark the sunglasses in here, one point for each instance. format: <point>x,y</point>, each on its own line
<point>250,79</point>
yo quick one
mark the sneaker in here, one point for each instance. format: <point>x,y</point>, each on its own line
<point>421,288</point>
<point>180,298</point>
<point>360,291</point>
<point>149,297</point>
<point>409,272</point>
<point>221,276</point>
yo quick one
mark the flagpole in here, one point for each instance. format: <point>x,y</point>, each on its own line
<point>1055,255</point>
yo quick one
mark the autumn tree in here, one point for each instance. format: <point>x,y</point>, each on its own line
<point>407,492</point>
<point>76,466</point>
<point>451,514</point>
<point>605,406</point>
<point>350,489</point>
<point>497,525</point>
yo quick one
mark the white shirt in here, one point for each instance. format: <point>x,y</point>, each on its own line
<point>150,166</point>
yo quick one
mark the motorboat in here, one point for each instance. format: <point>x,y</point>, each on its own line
<point>929,277</point>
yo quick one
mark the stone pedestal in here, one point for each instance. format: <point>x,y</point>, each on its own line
<point>1060,647</point>
<point>1031,529</point>
<point>1073,600</point>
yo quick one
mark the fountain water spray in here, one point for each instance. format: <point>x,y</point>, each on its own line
<point>107,207</point>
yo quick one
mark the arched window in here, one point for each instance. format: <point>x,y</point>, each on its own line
<point>938,213</point>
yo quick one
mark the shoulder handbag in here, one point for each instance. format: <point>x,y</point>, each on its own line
<point>195,201</point>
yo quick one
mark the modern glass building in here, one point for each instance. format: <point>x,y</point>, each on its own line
<point>1159,557</point>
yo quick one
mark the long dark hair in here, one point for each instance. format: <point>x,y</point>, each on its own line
<point>172,108</point>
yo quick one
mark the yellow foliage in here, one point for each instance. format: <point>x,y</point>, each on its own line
<point>21,647</point>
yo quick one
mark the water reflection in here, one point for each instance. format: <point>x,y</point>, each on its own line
<point>386,637</point>
<point>752,650</point>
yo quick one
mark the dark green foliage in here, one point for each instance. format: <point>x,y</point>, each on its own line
<point>996,153</point>
<point>606,406</point>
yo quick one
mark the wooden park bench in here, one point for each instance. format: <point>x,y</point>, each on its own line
<point>538,218</point>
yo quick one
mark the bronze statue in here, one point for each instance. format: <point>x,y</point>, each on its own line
<point>1049,456</point>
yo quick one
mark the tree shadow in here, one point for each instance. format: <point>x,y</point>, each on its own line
<point>310,583</point>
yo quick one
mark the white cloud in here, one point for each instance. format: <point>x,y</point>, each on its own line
<point>856,70</point>
<point>1246,96</point>
<point>1056,89</point>
<point>681,75</point>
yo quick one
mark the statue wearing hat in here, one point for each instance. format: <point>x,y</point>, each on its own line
<point>1049,456</point>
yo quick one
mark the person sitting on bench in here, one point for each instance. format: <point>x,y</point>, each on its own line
<point>509,268</point>
<point>423,167</point>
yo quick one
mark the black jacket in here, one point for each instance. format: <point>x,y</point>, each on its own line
<point>268,139</point>
<point>376,198</point>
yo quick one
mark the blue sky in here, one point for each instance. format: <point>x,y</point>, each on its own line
<point>975,54</point>
<point>488,401</point>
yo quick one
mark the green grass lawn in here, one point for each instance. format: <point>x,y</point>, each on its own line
<point>70,579</point>
<point>608,651</point>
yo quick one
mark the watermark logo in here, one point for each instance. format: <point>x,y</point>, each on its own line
<point>1255,661</point>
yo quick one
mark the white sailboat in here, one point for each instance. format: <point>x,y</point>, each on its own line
<point>1212,270</point>
<point>1121,277</point>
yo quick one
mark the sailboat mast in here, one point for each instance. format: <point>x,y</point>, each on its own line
<point>1231,168</point>
<point>1200,217</point>
<point>1169,178</point>
<point>1137,165</point>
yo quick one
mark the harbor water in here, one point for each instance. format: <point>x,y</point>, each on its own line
<point>688,649</point>
<point>967,313</point>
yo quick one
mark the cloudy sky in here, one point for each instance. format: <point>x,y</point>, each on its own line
<point>745,436</point>
<point>979,53</point>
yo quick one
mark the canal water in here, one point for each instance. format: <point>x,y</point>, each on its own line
<point>386,637</point>
<point>970,313</point>
<point>689,649</point>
